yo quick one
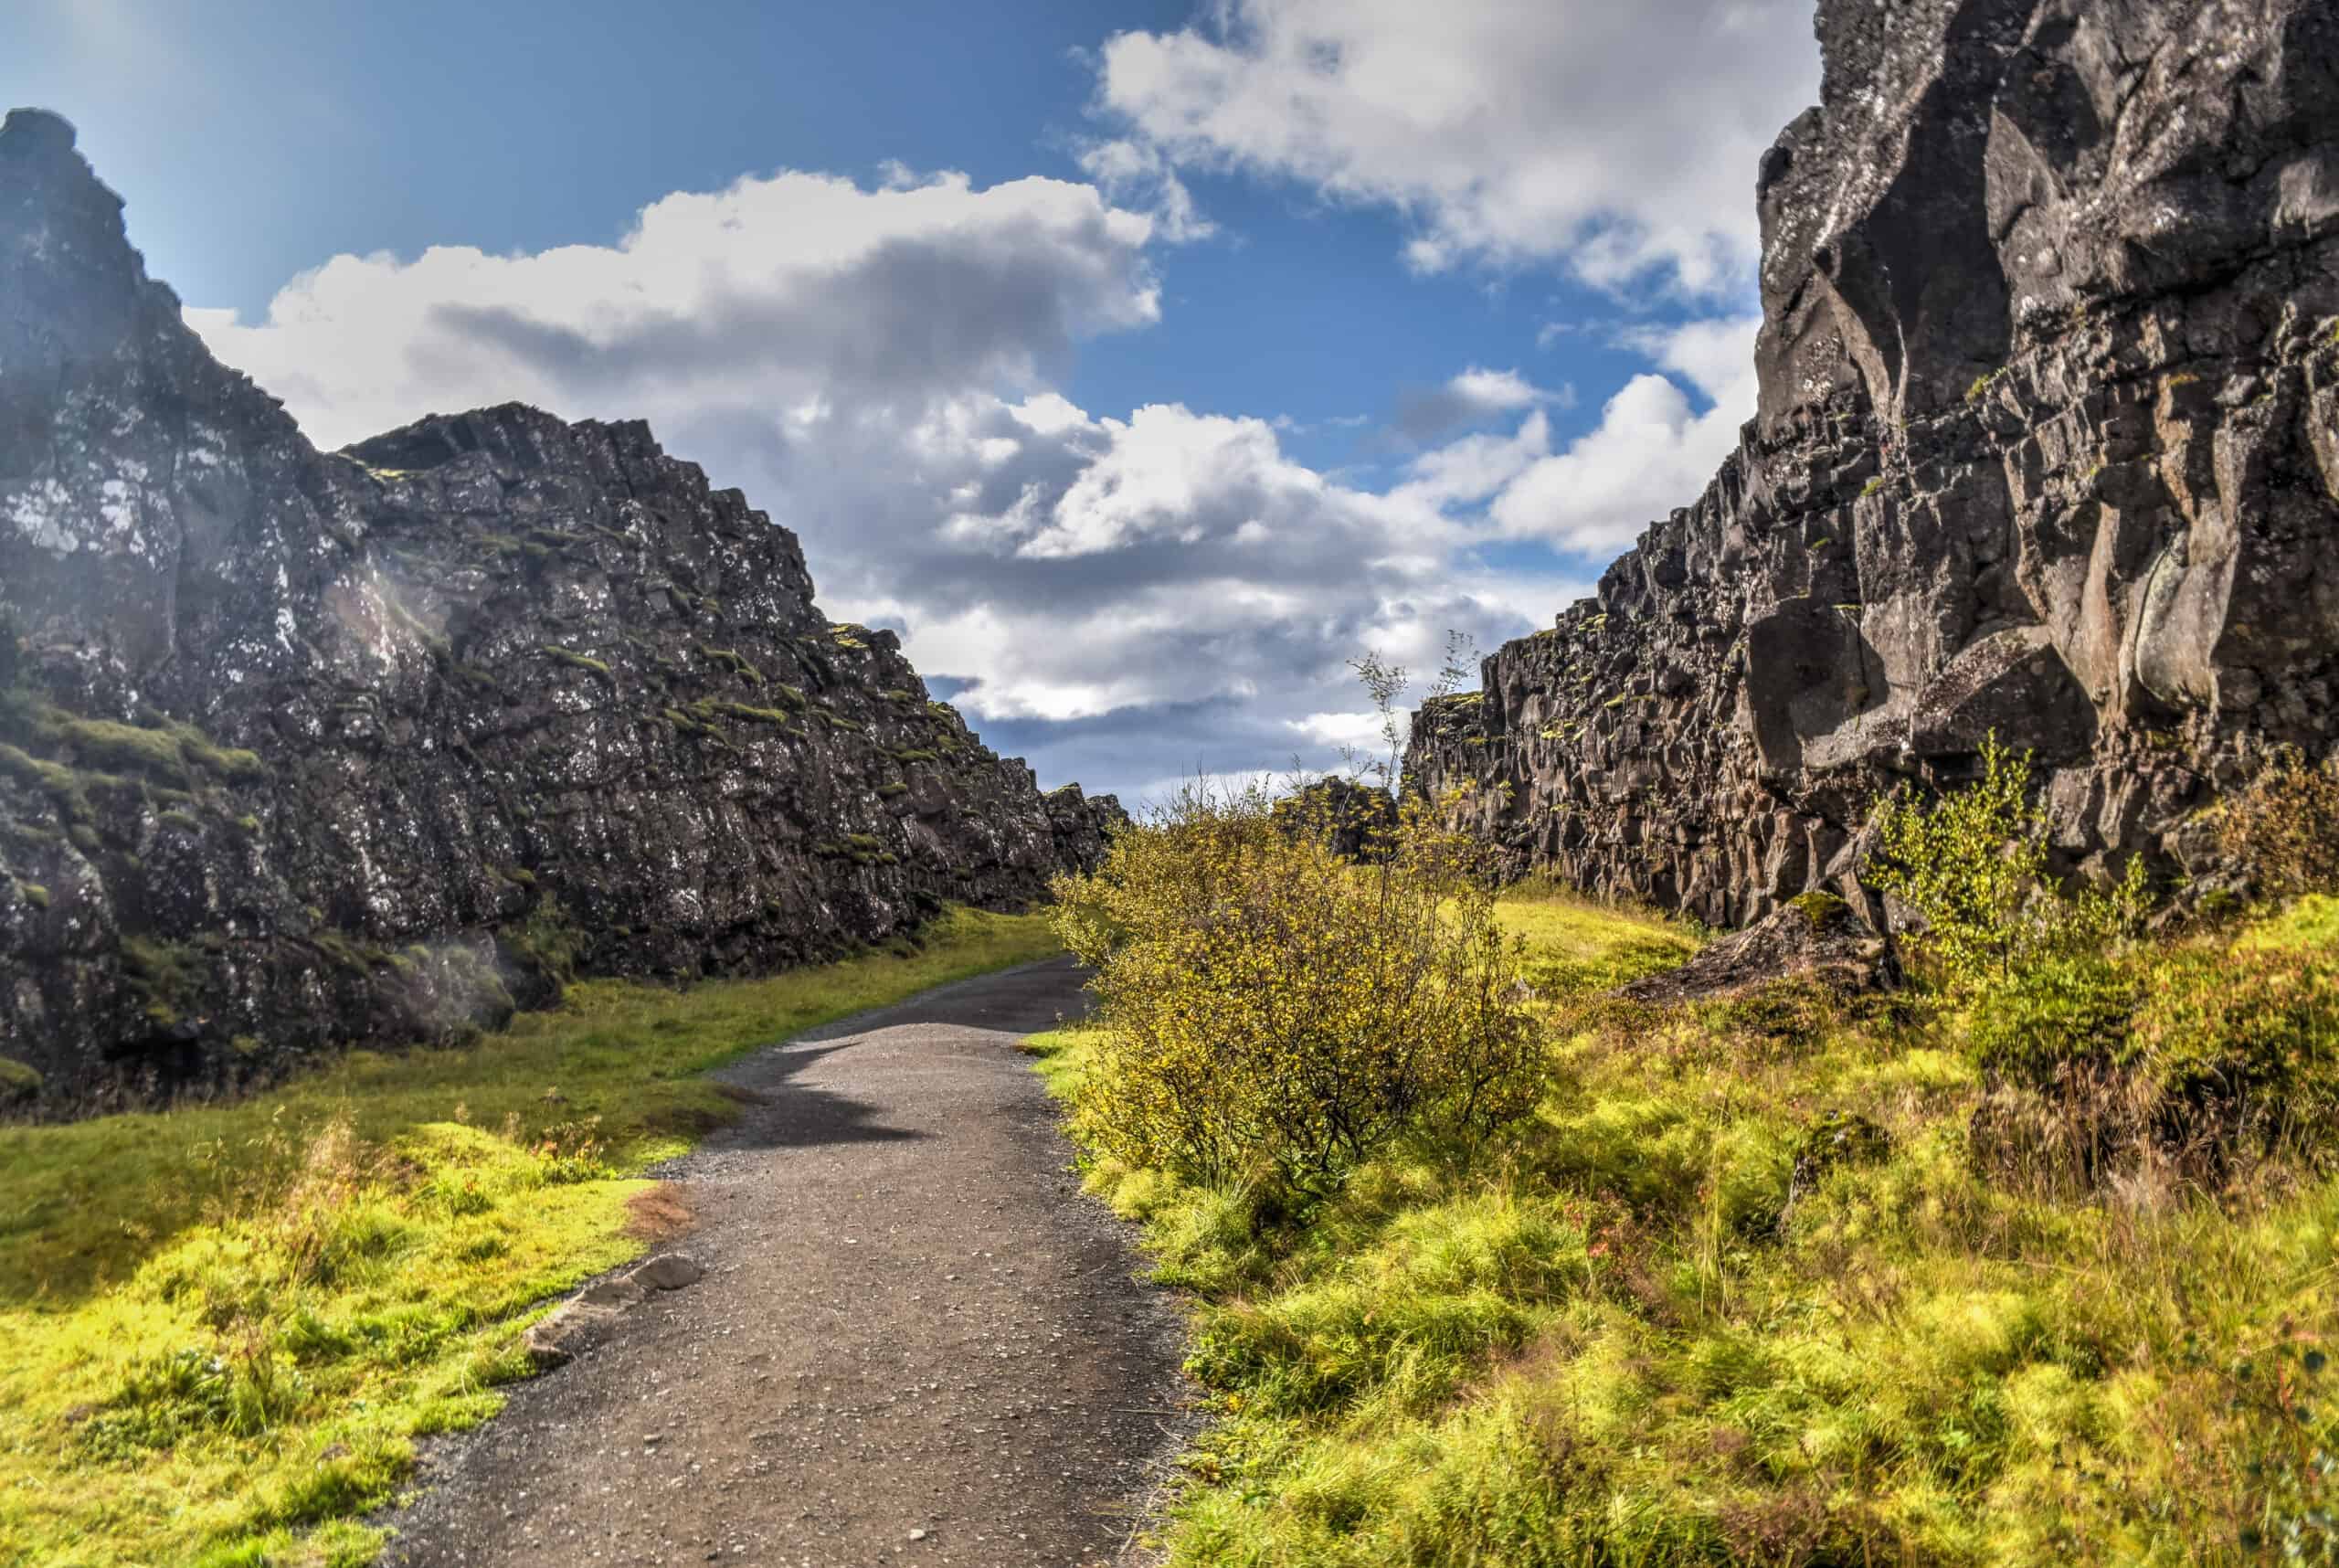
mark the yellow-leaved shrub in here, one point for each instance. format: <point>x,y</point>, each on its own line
<point>1275,1012</point>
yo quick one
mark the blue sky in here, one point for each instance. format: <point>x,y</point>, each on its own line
<point>1142,363</point>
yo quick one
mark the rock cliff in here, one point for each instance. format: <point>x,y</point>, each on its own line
<point>302,750</point>
<point>2048,445</point>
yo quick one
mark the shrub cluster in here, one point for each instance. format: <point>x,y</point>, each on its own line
<point>2284,829</point>
<point>2096,1043</point>
<point>2205,1052</point>
<point>1274,1013</point>
<point>1972,865</point>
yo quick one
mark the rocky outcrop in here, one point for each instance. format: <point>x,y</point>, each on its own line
<point>301,749</point>
<point>2048,445</point>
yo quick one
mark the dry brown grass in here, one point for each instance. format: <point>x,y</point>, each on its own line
<point>658,1213</point>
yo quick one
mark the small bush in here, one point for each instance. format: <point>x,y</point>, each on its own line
<point>2283,829</point>
<point>1274,1014</point>
<point>2197,1050</point>
<point>2065,1013</point>
<point>17,1081</point>
<point>2241,1040</point>
<point>1971,866</point>
<point>1974,867</point>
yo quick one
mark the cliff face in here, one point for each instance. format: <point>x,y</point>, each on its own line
<point>2048,445</point>
<point>304,749</point>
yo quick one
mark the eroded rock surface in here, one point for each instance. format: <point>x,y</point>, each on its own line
<point>2048,445</point>
<point>300,749</point>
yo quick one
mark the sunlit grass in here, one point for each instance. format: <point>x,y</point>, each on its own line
<point>1741,1294</point>
<point>1578,945</point>
<point>222,1328</point>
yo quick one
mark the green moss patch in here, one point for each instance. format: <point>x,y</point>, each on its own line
<point>575,661</point>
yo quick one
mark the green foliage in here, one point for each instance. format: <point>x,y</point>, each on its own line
<point>2205,1051</point>
<point>17,1081</point>
<point>1275,1015</point>
<point>1740,1292</point>
<point>226,1326</point>
<point>2245,1039</point>
<point>732,661</point>
<point>1819,910</point>
<point>122,749</point>
<point>1972,866</point>
<point>746,714</point>
<point>2065,1013</point>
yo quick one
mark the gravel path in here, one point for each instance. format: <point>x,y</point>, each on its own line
<point>915,1343</point>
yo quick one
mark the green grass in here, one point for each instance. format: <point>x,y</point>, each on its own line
<point>222,1328</point>
<point>1742,1293</point>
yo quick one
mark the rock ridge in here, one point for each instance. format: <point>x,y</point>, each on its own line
<point>2047,445</point>
<point>302,750</point>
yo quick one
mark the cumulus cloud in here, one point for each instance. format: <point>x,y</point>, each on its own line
<point>794,292</point>
<point>1136,174</point>
<point>1471,397</point>
<point>1621,139</point>
<point>1653,449</point>
<point>1123,598</point>
<point>1176,560</point>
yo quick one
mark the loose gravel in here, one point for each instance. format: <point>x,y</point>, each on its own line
<point>916,1342</point>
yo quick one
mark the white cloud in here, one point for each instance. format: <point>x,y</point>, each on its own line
<point>1176,559</point>
<point>1360,730</point>
<point>1474,395</point>
<point>796,292</point>
<point>1620,138</point>
<point>1135,174</point>
<point>1131,598</point>
<point>1652,450</point>
<point>1493,389</point>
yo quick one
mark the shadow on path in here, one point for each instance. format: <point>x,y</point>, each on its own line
<point>916,1342</point>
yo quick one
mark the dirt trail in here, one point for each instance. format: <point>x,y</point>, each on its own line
<point>916,1342</point>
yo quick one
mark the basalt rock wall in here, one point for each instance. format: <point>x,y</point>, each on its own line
<point>302,750</point>
<point>2048,447</point>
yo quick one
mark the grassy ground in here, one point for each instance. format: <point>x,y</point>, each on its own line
<point>222,1328</point>
<point>1741,1294</point>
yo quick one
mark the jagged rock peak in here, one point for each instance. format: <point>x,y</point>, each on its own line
<point>36,133</point>
<point>2047,446</point>
<point>300,749</point>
